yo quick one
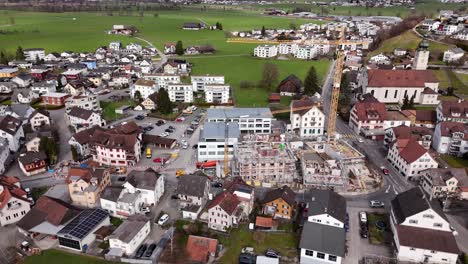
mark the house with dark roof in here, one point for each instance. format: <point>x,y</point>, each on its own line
<point>48,216</point>
<point>32,163</point>
<point>455,111</point>
<point>444,182</point>
<point>193,26</point>
<point>290,86</point>
<point>193,191</point>
<point>149,183</point>
<point>422,135</point>
<point>85,185</point>
<point>421,117</point>
<point>279,203</point>
<point>80,118</point>
<point>307,117</point>
<point>421,230</point>
<point>130,235</point>
<point>368,117</point>
<point>451,138</point>
<point>14,203</point>
<point>224,212</point>
<point>323,235</point>
<point>38,119</point>
<point>150,102</point>
<point>11,128</point>
<point>392,86</point>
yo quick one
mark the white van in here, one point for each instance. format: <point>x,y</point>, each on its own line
<point>363,217</point>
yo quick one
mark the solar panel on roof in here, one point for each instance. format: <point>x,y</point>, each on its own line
<point>83,224</point>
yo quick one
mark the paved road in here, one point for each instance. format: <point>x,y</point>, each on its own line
<point>161,54</point>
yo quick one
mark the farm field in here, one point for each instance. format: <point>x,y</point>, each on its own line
<point>86,31</point>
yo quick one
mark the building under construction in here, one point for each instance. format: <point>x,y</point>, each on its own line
<point>265,163</point>
<point>320,170</point>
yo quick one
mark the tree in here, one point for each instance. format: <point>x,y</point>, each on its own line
<point>311,85</point>
<point>137,96</point>
<point>269,75</point>
<point>405,103</point>
<point>74,152</point>
<point>50,147</point>
<point>3,58</point>
<point>220,26</point>
<point>19,53</point>
<point>163,102</point>
<point>411,102</point>
<point>179,48</point>
<point>263,32</point>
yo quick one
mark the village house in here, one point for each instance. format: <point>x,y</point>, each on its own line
<point>193,26</point>
<point>7,87</point>
<point>85,185</point>
<point>14,203</point>
<point>43,87</point>
<point>307,117</point>
<point>169,48</point>
<point>193,191</point>
<point>455,111</point>
<point>23,96</point>
<point>201,249</point>
<point>57,99</point>
<point>8,72</point>
<point>12,130</point>
<point>130,235</point>
<point>5,158</point>
<point>421,230</point>
<point>451,138</point>
<point>453,55</point>
<point>23,80</point>
<point>290,86</point>
<point>224,212</point>
<point>422,135</point>
<point>38,119</point>
<point>144,87</point>
<point>39,73</point>
<point>32,163</point>
<point>444,182</point>
<point>86,101</point>
<point>279,203</point>
<point>421,117</point>
<point>368,117</point>
<point>150,103</point>
<point>80,118</point>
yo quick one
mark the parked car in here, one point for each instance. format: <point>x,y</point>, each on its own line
<point>163,219</point>
<point>360,140</point>
<point>175,197</point>
<point>272,253</point>
<point>246,258</point>
<point>385,170</point>
<point>164,134</point>
<point>171,127</point>
<point>159,160</point>
<point>150,250</point>
<point>249,250</point>
<point>168,130</point>
<point>363,232</point>
<point>141,250</point>
<point>217,185</point>
<point>195,146</point>
<point>363,217</point>
<point>122,178</point>
<point>376,204</point>
<point>160,122</point>
<point>194,108</point>
<point>185,145</point>
<point>140,117</point>
<point>180,119</point>
<point>145,210</point>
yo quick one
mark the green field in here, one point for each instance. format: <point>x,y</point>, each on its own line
<point>455,162</point>
<point>86,31</point>
<point>53,256</point>
<point>108,108</point>
<point>448,78</point>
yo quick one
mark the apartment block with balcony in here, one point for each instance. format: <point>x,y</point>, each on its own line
<point>89,102</point>
<point>217,93</point>
<point>162,80</point>
<point>200,81</point>
<point>451,138</point>
<point>444,182</point>
<point>180,93</point>
<point>266,51</point>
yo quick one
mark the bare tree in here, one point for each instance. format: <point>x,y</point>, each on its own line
<point>269,76</point>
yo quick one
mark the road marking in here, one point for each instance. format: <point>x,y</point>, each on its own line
<point>394,190</point>
<point>388,188</point>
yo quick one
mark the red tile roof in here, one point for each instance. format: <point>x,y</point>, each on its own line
<point>454,107</point>
<point>448,128</point>
<point>412,151</point>
<point>200,248</point>
<point>265,222</point>
<point>370,109</point>
<point>57,211</point>
<point>10,190</point>
<point>400,78</point>
<point>227,201</point>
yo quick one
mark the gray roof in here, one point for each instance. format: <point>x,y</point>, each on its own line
<point>413,201</point>
<point>323,238</point>
<point>22,110</point>
<point>192,185</point>
<point>238,112</point>
<point>130,228</point>
<point>457,50</point>
<point>327,202</point>
<point>143,179</point>
<point>111,193</point>
<point>30,157</point>
<point>217,130</point>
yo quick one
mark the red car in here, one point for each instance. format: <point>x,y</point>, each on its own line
<point>180,119</point>
<point>159,160</point>
<point>385,171</point>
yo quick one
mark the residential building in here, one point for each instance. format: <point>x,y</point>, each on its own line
<point>306,52</point>
<point>193,26</point>
<point>421,230</point>
<point>5,159</point>
<point>290,86</point>
<point>200,81</point>
<point>180,92</point>
<point>144,87</point>
<point>323,235</point>
<point>23,96</point>
<point>7,87</point>
<point>14,203</point>
<point>422,135</point>
<point>213,138</point>
<point>224,212</point>
<point>392,86</point>
<point>23,80</point>
<point>87,101</point>
<point>85,185</point>
<point>43,87</point>
<point>307,117</point>
<point>149,183</point>
<point>39,118</point>
<point>57,99</point>
<point>380,59</point>
<point>47,217</point>
<point>409,157</point>
<point>32,163</point>
<point>287,48</point>
<point>455,111</point>
<point>8,72</point>
<point>267,163</point>
<point>12,130</point>
<point>193,191</point>
<point>279,203</point>
<point>421,57</point>
<point>244,192</point>
<point>162,79</point>
<point>201,249</point>
<point>266,51</point>
<point>79,233</point>
<point>453,55</point>
<point>130,234</point>
<point>169,48</point>
<point>34,54</point>
<point>39,73</point>
<point>80,118</point>
<point>451,138</point>
<point>421,117</point>
<point>443,182</point>
<point>251,120</point>
<point>217,93</point>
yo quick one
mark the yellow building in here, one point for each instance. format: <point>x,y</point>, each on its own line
<point>279,203</point>
<point>8,72</point>
<point>86,185</point>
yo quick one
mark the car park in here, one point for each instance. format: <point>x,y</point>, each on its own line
<point>141,250</point>
<point>163,219</point>
<point>376,204</point>
<point>150,250</point>
<point>363,217</point>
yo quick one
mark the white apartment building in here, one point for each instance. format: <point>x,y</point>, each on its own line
<point>44,87</point>
<point>307,118</point>
<point>380,59</point>
<point>443,182</point>
<point>12,130</point>
<point>451,138</point>
<point>144,87</point>
<point>179,92</point>
<point>452,111</point>
<point>306,52</point>
<point>266,51</point>
<point>15,203</point>
<point>410,158</point>
<point>89,102</point>
<point>217,93</point>
<point>414,215</point>
<point>287,48</point>
<point>200,81</point>
<point>453,55</point>
<point>213,139</point>
<point>34,54</point>
<point>251,120</point>
<point>162,80</point>
<point>130,234</point>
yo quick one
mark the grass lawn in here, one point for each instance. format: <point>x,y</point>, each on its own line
<point>376,236</point>
<point>409,41</point>
<point>53,256</point>
<point>455,162</point>
<point>285,243</point>
<point>116,221</point>
<point>108,108</point>
<point>36,193</point>
<point>6,102</point>
<point>463,77</point>
<point>448,78</point>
